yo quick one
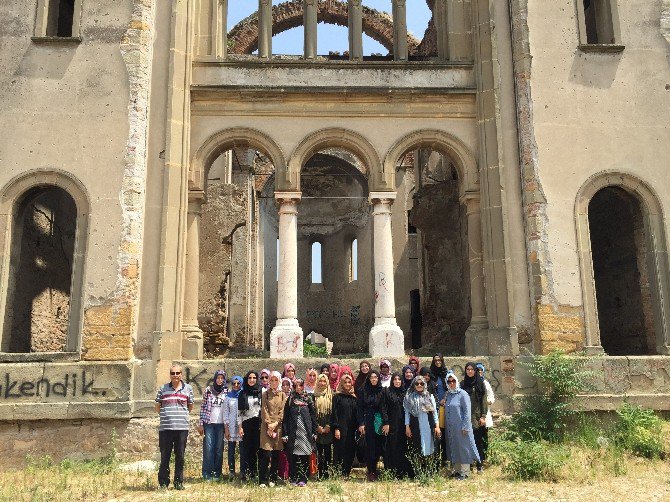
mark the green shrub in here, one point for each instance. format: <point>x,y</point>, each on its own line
<point>639,431</point>
<point>311,350</point>
<point>534,460</point>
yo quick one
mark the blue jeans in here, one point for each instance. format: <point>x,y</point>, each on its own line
<point>212,451</point>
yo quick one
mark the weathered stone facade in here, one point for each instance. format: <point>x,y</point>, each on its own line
<point>495,188</point>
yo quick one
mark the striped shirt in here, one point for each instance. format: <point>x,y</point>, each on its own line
<point>174,407</point>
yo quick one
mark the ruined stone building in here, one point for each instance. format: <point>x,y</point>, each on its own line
<point>172,189</point>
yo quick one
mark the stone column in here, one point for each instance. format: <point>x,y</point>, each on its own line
<point>309,20</point>
<point>224,29</point>
<point>459,30</point>
<point>400,30</point>
<point>286,337</point>
<point>441,28</point>
<point>476,342</point>
<point>192,341</point>
<point>355,30</point>
<point>265,29</point>
<point>386,337</point>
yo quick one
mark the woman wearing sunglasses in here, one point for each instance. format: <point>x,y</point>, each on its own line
<point>461,442</point>
<point>421,420</point>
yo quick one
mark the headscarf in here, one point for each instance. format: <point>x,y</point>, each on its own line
<point>456,389</point>
<point>430,384</point>
<point>218,389</point>
<point>325,366</point>
<point>360,379</point>
<point>234,394</point>
<point>405,382</point>
<point>278,376</point>
<point>290,384</point>
<point>248,390</point>
<point>260,381</point>
<point>382,378</point>
<point>475,382</point>
<point>309,386</point>
<point>323,396</point>
<point>440,372</point>
<point>333,381</point>
<point>417,402</point>
<point>416,361</point>
<point>370,389</point>
<point>480,366</point>
<point>397,391</point>
<point>340,389</point>
<point>289,366</point>
<point>344,370</point>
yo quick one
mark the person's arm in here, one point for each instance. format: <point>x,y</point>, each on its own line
<point>466,413</point>
<point>190,400</point>
<point>408,429</point>
<point>157,404</point>
<point>490,396</point>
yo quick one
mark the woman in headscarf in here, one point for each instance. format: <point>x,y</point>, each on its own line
<point>430,384</point>
<point>439,372</point>
<point>249,425</point>
<point>272,415</point>
<point>421,420</point>
<point>473,384</point>
<point>344,422</point>
<point>232,434</point>
<point>462,448</point>
<point>415,364</point>
<point>407,376</point>
<point>264,379</point>
<point>384,372</point>
<point>333,373</point>
<point>490,399</point>
<point>363,370</point>
<point>325,369</point>
<point>289,371</point>
<point>343,370</point>
<point>299,432</point>
<point>286,385</point>
<point>211,426</point>
<point>368,411</point>
<point>283,467</point>
<point>323,397</point>
<point>310,380</point>
<point>393,418</point>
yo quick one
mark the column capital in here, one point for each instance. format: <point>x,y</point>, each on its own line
<point>196,199</point>
<point>472,202</point>
<point>382,197</point>
<point>288,197</point>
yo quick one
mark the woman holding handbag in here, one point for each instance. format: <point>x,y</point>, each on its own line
<point>323,396</point>
<point>299,431</point>
<point>421,420</point>
<point>369,415</point>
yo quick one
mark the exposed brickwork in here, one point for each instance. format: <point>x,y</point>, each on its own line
<point>107,334</point>
<point>243,38</point>
<point>560,328</point>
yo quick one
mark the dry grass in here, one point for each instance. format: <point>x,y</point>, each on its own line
<point>589,476</point>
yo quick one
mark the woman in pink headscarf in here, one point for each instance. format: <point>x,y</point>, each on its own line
<point>333,375</point>
<point>310,380</point>
<point>289,371</point>
<point>343,370</point>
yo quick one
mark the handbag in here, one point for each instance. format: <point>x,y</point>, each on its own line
<point>442,417</point>
<point>313,465</point>
<point>378,423</point>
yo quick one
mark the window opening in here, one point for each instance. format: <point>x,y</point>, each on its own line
<point>316,263</point>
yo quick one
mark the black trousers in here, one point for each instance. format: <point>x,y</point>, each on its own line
<point>299,468</point>
<point>479,435</point>
<point>168,441</point>
<point>344,451</point>
<point>250,448</point>
<point>324,454</point>
<point>268,458</point>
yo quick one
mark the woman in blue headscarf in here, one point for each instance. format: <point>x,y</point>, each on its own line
<point>232,432</point>
<point>211,426</point>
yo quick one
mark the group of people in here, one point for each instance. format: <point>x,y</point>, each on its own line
<point>294,429</point>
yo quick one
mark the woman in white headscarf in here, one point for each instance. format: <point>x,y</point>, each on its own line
<point>461,441</point>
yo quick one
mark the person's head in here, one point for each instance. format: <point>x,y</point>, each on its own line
<point>438,361</point>
<point>286,385</point>
<point>251,379</point>
<point>275,378</point>
<point>219,380</point>
<point>322,382</point>
<point>470,370</point>
<point>373,378</point>
<point>175,374</point>
<point>298,385</point>
<point>414,363</point>
<point>385,367</point>
<point>236,383</point>
<point>289,371</point>
<point>396,380</point>
<point>408,372</point>
<point>425,373</point>
<point>481,369</point>
<point>346,384</point>
<point>333,371</point>
<point>452,381</point>
<point>264,378</point>
<point>419,385</point>
<point>310,377</point>
<point>325,369</point>
<point>364,367</point>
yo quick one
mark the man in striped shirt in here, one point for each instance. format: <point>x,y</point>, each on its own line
<point>173,402</point>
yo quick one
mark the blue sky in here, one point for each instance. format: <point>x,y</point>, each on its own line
<point>331,37</point>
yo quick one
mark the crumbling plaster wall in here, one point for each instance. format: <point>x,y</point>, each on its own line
<point>52,94</point>
<point>580,114</point>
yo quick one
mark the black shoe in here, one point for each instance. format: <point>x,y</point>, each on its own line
<point>461,477</point>
<point>179,486</point>
<point>162,487</point>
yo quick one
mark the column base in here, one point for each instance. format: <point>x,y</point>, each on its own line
<point>594,350</point>
<point>191,343</point>
<point>286,340</point>
<point>477,340</point>
<point>484,341</point>
<point>386,339</point>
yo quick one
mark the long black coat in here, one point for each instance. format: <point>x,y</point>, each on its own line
<point>290,424</point>
<point>393,415</point>
<point>344,419</point>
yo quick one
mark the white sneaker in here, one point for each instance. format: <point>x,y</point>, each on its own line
<point>271,484</point>
<point>263,485</point>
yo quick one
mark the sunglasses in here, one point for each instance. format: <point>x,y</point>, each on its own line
<point>264,377</point>
<point>419,384</point>
<point>451,381</point>
<point>175,373</point>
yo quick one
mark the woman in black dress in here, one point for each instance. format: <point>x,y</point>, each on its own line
<point>344,422</point>
<point>299,429</point>
<point>249,423</point>
<point>393,418</point>
<point>368,406</point>
<point>473,384</point>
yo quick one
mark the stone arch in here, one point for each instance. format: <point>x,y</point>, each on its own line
<point>227,139</point>
<point>441,141</point>
<point>656,254</point>
<point>10,197</point>
<point>377,25</point>
<point>336,138</point>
